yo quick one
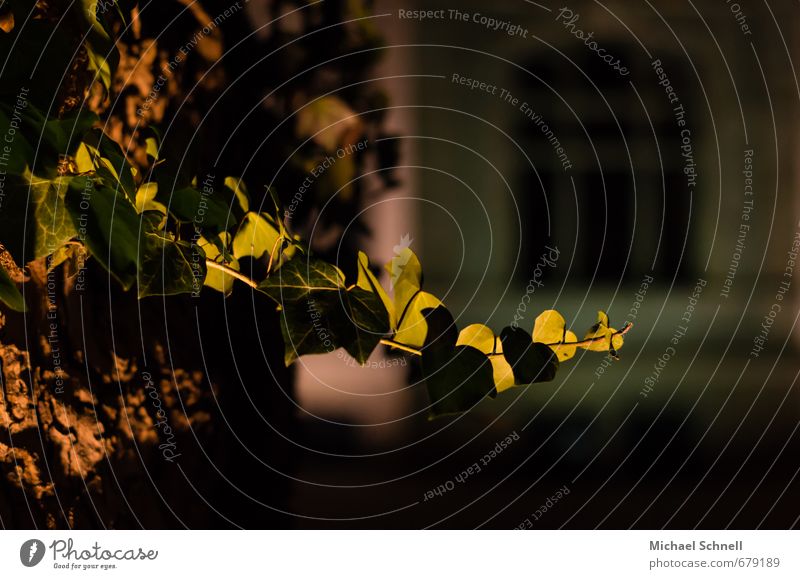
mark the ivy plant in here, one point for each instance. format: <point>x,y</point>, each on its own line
<point>68,193</point>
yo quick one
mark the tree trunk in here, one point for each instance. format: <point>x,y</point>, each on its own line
<point>159,413</point>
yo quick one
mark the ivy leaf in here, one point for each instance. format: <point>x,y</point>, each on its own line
<point>33,135</point>
<point>259,237</point>
<point>208,212</point>
<point>409,300</point>
<point>110,163</point>
<point>405,273</point>
<point>100,49</point>
<point>146,199</point>
<point>64,134</point>
<point>169,267</point>
<point>216,279</point>
<point>9,294</point>
<point>72,251</point>
<point>151,148</point>
<point>457,376</point>
<point>367,281</point>
<point>329,122</point>
<point>239,197</point>
<point>327,320</point>
<point>300,279</point>
<point>319,315</point>
<point>550,328</point>
<point>19,156</point>
<point>109,226</point>
<point>34,221</point>
<point>531,361</point>
<point>413,325</point>
<point>482,338</point>
<point>367,322</point>
<point>602,337</point>
<point>307,328</point>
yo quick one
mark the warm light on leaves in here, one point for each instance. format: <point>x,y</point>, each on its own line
<point>329,122</point>
<point>482,338</point>
<point>602,337</point>
<point>169,237</point>
<point>550,328</point>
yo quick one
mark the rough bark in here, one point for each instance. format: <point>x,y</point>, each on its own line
<point>85,371</point>
<point>83,443</point>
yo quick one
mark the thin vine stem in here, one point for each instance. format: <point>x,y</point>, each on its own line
<point>231,272</point>
<point>272,253</point>
<point>401,346</point>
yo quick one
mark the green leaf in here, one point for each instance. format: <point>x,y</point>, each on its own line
<point>216,279</point>
<point>307,328</point>
<point>65,134</point>
<point>9,294</point>
<point>146,199</point>
<point>100,48</point>
<point>482,338</point>
<point>531,361</point>
<point>406,278</point>
<point>409,300</point>
<point>300,279</point>
<point>111,163</point>
<point>109,226</point>
<point>72,251</point>
<point>457,377</point>
<point>236,186</point>
<point>256,237</point>
<point>366,323</point>
<point>20,153</point>
<point>367,281</point>
<point>319,315</point>
<point>206,211</point>
<point>170,267</point>
<point>30,135</point>
<point>329,121</point>
<point>34,221</point>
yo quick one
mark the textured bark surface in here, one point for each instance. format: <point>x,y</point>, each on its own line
<point>85,372</point>
<point>86,447</point>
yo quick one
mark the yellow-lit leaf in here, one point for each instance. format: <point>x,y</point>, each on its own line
<point>239,189</point>
<point>368,281</point>
<point>83,159</point>
<point>338,180</point>
<point>259,237</point>
<point>482,338</point>
<point>603,337</point>
<point>69,251</point>
<point>413,328</point>
<point>550,328</point>
<point>151,147</point>
<point>145,199</point>
<point>329,122</point>
<point>216,279</point>
<point>406,277</point>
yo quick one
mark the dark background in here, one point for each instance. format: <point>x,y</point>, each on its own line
<point>714,444</point>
